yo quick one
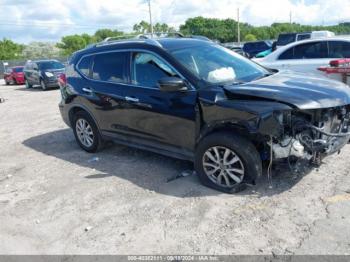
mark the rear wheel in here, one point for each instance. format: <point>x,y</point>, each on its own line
<point>86,132</point>
<point>227,162</point>
<point>7,83</point>
<point>28,85</point>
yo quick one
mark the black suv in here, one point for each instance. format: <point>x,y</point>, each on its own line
<point>195,100</point>
<point>43,73</point>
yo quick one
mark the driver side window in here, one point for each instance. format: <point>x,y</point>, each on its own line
<point>147,69</point>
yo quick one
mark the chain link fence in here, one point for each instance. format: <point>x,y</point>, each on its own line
<point>4,64</point>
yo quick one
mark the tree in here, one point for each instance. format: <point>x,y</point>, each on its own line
<point>71,43</point>
<point>10,50</point>
<point>249,38</point>
<point>104,33</point>
<point>36,50</point>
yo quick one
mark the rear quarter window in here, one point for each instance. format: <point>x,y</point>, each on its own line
<point>84,65</point>
<point>339,49</point>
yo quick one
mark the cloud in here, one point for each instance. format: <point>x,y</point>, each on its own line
<point>43,20</point>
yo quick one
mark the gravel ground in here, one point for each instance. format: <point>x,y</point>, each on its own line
<point>57,199</point>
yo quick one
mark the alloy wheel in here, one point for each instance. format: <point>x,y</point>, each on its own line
<point>223,166</point>
<point>84,132</point>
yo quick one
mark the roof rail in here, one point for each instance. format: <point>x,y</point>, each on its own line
<point>161,35</point>
<point>147,38</point>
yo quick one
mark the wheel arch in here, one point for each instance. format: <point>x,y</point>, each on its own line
<point>77,108</point>
<point>235,128</point>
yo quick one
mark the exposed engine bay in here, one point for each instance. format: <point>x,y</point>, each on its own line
<point>311,134</point>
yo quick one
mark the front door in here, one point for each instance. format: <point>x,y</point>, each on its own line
<point>166,118</point>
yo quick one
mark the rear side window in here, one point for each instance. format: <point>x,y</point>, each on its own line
<point>288,54</point>
<point>311,50</point>
<point>84,65</point>
<point>110,67</point>
<point>339,49</point>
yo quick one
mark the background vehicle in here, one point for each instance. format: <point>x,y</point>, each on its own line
<point>43,73</point>
<point>234,47</point>
<point>287,38</point>
<point>253,48</point>
<point>196,100</point>
<point>308,55</point>
<point>14,75</point>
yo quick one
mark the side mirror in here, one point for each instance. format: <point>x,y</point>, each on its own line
<point>172,84</point>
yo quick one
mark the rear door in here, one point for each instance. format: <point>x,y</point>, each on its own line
<point>105,76</point>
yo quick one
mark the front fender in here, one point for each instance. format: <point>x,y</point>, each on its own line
<point>248,116</point>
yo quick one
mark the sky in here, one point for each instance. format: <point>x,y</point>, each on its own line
<point>24,21</point>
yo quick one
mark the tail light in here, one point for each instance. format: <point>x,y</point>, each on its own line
<point>62,80</point>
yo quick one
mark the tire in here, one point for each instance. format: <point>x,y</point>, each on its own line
<point>7,83</point>
<point>28,85</point>
<point>97,142</point>
<point>241,166</point>
<point>43,86</point>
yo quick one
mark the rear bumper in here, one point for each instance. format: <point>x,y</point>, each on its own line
<point>19,80</point>
<point>64,113</point>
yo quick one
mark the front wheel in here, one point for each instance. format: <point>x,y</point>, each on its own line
<point>227,162</point>
<point>86,132</point>
<point>43,85</point>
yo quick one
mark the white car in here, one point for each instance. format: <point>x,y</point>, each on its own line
<point>308,55</point>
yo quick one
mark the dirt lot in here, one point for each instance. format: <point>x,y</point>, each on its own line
<point>57,199</point>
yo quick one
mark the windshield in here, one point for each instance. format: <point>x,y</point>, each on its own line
<point>216,64</point>
<point>50,65</point>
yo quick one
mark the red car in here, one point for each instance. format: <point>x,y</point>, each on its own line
<point>14,75</point>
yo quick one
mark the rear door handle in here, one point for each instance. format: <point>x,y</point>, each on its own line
<point>87,90</point>
<point>131,99</point>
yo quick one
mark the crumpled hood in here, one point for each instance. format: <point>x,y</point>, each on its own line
<point>296,89</point>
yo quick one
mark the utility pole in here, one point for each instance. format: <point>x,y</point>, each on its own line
<point>150,17</point>
<point>238,31</point>
<point>290,17</point>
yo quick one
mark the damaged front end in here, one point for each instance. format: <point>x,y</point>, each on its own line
<point>308,134</point>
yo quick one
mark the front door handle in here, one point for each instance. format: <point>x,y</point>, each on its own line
<point>87,90</point>
<point>131,99</point>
